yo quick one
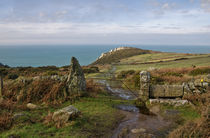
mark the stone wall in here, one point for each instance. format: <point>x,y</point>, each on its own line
<point>170,91</point>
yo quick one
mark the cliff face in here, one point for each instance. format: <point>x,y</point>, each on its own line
<point>115,55</point>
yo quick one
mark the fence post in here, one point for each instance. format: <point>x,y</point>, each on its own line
<point>1,86</point>
<point>144,84</point>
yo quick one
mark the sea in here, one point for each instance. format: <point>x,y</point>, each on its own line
<point>60,55</point>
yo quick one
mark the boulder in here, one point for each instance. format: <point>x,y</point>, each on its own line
<point>62,116</point>
<point>76,80</point>
<point>31,106</point>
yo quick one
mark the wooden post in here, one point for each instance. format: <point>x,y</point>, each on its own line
<point>1,86</point>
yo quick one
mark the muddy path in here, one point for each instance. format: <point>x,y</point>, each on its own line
<point>136,124</point>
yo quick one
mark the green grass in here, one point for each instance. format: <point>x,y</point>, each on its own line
<point>186,112</point>
<point>98,118</point>
<point>156,57</point>
<point>203,61</point>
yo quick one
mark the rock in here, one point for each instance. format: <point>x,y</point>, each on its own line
<point>141,130</point>
<point>31,106</point>
<point>21,118</point>
<point>208,76</point>
<point>191,86</point>
<point>154,101</point>
<point>145,76</point>
<point>76,80</point>
<point>174,102</point>
<point>124,133</point>
<point>62,116</point>
<point>144,84</point>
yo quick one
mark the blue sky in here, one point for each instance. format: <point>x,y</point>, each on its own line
<point>166,22</point>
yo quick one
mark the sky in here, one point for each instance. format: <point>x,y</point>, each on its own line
<point>147,22</point>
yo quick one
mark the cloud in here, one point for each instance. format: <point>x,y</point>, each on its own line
<point>205,4</point>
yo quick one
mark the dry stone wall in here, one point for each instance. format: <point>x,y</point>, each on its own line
<point>170,91</point>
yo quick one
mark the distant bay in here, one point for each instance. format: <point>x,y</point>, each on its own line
<point>60,55</point>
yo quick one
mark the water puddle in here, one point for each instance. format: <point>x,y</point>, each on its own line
<point>136,124</point>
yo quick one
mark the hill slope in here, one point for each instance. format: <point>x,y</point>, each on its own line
<point>117,54</point>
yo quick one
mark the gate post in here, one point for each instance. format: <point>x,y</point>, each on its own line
<point>144,84</point>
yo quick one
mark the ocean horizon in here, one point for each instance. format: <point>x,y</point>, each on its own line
<point>60,55</point>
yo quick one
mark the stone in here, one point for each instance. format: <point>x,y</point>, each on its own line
<point>191,86</point>
<point>154,101</point>
<point>145,76</point>
<point>76,80</point>
<point>208,76</point>
<point>157,91</point>
<point>31,106</point>
<point>169,91</point>
<point>62,116</point>
<point>174,102</point>
<point>144,84</point>
<point>174,91</point>
<point>140,130</point>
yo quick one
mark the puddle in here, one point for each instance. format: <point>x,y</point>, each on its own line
<point>153,126</point>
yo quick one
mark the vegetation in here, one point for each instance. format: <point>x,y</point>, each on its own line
<point>195,127</point>
<point>98,105</point>
<point>91,69</point>
<point>116,56</point>
<point>12,76</point>
<point>200,71</point>
<point>95,108</point>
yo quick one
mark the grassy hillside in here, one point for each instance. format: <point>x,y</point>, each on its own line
<point>163,60</point>
<point>116,56</point>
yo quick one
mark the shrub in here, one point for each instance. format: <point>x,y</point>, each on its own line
<point>173,74</point>
<point>3,72</point>
<point>199,71</point>
<point>12,76</point>
<point>91,70</point>
<point>93,88</point>
<point>51,73</point>
<point>5,121</point>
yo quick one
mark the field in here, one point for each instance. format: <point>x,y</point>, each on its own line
<point>163,60</point>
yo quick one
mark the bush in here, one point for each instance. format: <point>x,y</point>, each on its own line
<point>3,72</point>
<point>51,73</point>
<point>200,71</point>
<point>173,74</point>
<point>93,88</point>
<point>91,70</point>
<point>5,121</point>
<point>13,76</point>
